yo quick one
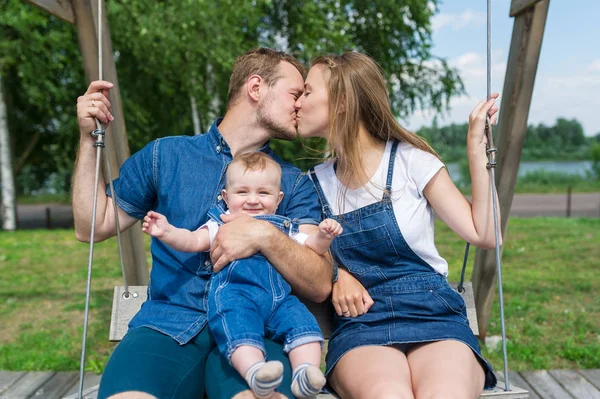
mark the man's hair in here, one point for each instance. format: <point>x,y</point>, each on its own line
<point>263,62</point>
<point>254,161</point>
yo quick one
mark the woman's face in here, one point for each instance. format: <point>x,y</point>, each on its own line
<point>313,105</point>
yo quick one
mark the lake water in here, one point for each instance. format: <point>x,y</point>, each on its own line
<point>571,167</point>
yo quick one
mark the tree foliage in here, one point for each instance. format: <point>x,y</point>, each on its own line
<point>563,141</point>
<point>168,51</point>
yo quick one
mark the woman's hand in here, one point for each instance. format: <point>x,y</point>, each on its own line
<point>477,120</point>
<point>350,298</point>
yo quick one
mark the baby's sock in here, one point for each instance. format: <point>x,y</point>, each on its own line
<point>264,378</point>
<point>307,381</point>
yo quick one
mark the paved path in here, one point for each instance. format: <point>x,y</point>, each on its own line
<point>524,205</point>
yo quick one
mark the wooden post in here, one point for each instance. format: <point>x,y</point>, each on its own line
<point>48,219</point>
<point>83,13</point>
<point>528,31</point>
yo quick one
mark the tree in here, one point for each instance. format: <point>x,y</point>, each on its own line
<point>168,53</point>
<point>42,73</point>
<point>9,216</point>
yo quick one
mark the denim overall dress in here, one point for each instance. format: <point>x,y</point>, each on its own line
<point>413,303</point>
<point>249,300</point>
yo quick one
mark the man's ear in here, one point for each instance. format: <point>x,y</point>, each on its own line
<point>224,195</point>
<point>280,198</point>
<point>253,87</point>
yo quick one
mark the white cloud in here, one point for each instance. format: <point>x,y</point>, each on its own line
<point>467,18</point>
<point>569,94</point>
<point>472,67</point>
<point>595,65</point>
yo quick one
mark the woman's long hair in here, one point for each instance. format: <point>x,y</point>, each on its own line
<point>357,95</point>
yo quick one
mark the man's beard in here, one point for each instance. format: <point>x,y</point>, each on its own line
<point>276,130</point>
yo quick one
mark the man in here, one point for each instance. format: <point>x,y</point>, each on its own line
<point>168,351</point>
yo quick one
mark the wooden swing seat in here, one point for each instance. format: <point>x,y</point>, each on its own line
<point>125,308</point>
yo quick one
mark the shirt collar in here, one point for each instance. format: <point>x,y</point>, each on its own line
<point>219,144</point>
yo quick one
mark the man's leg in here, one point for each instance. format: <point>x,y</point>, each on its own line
<point>223,382</point>
<point>151,362</point>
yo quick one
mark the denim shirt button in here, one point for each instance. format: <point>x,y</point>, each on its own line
<point>219,198</point>
<point>218,148</point>
<point>207,263</point>
<point>286,223</point>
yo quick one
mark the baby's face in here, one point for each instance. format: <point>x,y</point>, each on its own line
<point>255,192</point>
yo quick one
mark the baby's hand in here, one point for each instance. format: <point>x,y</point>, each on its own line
<point>156,225</point>
<point>330,228</point>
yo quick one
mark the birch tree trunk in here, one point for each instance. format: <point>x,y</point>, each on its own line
<point>9,214</point>
<point>195,116</point>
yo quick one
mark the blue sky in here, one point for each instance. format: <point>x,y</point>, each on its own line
<point>568,75</point>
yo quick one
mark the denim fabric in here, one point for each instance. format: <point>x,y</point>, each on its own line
<point>249,300</point>
<point>182,178</point>
<point>413,303</point>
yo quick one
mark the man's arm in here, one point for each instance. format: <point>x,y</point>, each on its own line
<point>242,236</point>
<point>93,104</point>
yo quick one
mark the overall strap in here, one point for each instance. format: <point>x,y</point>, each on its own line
<point>324,203</point>
<point>215,213</point>
<point>388,184</point>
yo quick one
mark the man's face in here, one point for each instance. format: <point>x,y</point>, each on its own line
<point>254,192</point>
<point>276,110</point>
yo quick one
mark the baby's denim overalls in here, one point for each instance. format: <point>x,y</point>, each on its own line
<point>249,300</point>
<point>413,303</point>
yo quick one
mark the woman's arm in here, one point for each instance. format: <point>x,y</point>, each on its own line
<point>473,222</point>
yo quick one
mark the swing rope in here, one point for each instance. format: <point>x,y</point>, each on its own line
<point>491,152</point>
<point>99,134</point>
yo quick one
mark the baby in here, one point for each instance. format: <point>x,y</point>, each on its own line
<point>248,300</point>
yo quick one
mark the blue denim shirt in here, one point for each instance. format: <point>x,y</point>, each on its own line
<point>182,178</point>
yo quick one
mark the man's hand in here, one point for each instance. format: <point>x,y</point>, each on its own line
<point>94,104</point>
<point>240,237</point>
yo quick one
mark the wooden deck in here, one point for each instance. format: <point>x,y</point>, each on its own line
<point>541,384</point>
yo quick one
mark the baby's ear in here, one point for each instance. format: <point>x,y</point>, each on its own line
<point>224,195</point>
<point>280,198</point>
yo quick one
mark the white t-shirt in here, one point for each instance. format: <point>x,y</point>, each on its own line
<point>213,228</point>
<point>413,168</point>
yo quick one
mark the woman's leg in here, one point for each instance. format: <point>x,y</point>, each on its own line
<point>445,369</point>
<point>372,372</point>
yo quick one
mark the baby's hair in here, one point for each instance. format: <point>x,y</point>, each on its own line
<point>255,161</point>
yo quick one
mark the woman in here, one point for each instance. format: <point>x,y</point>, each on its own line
<point>400,331</point>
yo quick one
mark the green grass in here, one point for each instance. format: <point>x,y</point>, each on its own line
<point>550,271</point>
